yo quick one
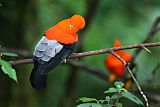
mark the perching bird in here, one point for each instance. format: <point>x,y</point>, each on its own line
<point>114,65</point>
<point>55,46</point>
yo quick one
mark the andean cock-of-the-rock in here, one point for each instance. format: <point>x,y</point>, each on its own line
<point>57,44</point>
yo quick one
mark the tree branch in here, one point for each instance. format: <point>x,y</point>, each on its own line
<point>95,52</point>
<point>133,77</point>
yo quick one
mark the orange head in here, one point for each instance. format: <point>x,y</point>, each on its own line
<point>114,65</point>
<point>73,24</point>
<point>65,31</point>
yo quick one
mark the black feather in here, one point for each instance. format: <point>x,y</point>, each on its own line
<point>38,77</point>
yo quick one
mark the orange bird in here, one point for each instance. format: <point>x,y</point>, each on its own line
<point>57,44</point>
<point>114,65</point>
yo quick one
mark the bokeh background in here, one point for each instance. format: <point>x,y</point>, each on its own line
<point>23,22</point>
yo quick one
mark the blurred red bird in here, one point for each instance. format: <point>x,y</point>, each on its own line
<point>114,65</point>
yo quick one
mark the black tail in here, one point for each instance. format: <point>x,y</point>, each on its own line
<point>37,79</point>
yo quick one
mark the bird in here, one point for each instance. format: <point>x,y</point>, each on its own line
<point>55,46</point>
<point>114,65</point>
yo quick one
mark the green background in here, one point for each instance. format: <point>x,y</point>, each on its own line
<point>23,22</point>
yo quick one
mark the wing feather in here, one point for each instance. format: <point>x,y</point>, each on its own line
<point>47,49</point>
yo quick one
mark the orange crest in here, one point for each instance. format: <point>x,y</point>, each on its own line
<point>65,31</point>
<point>117,43</point>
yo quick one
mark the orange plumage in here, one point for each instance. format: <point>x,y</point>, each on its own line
<point>65,31</point>
<point>114,65</point>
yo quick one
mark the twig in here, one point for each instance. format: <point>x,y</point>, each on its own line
<point>108,50</point>
<point>23,61</point>
<point>117,56</point>
<point>139,88</point>
<point>95,52</point>
<point>146,49</point>
<point>133,77</point>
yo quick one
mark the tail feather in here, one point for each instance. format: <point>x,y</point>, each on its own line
<point>37,79</point>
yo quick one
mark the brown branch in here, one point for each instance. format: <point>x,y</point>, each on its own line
<point>138,86</point>
<point>117,56</point>
<point>95,52</point>
<point>108,50</point>
<point>133,77</point>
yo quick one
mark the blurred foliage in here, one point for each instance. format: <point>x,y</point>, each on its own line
<point>23,22</point>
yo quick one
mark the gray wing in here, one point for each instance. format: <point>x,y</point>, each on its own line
<point>47,49</point>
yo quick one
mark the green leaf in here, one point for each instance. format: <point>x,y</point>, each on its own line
<point>89,105</point>
<point>86,99</point>
<point>119,84</point>
<point>111,90</point>
<point>119,105</point>
<point>7,69</point>
<point>123,90</point>
<point>9,54</point>
<point>132,97</point>
<point>114,97</point>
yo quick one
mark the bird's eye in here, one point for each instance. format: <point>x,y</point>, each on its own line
<point>71,26</point>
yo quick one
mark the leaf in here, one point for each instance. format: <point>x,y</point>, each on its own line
<point>123,90</point>
<point>9,54</point>
<point>111,90</point>
<point>119,105</point>
<point>114,97</point>
<point>89,105</point>
<point>7,69</point>
<point>119,84</point>
<point>132,97</point>
<point>86,99</point>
